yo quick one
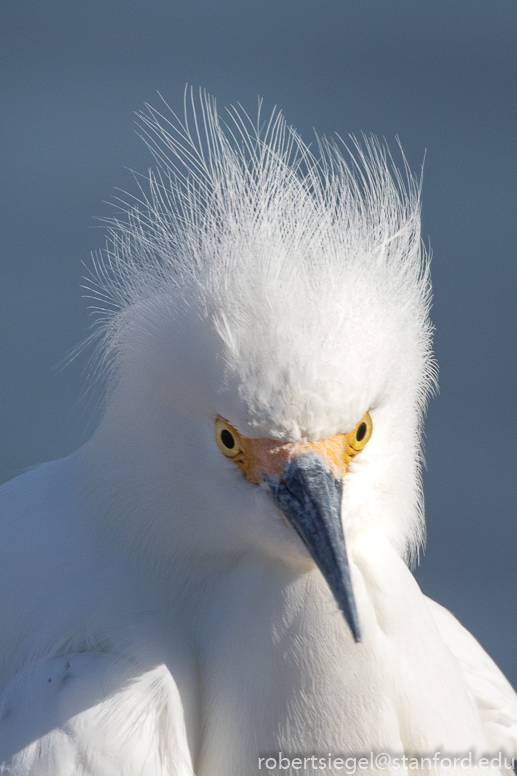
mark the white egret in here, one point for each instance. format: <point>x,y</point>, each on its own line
<point>217,583</point>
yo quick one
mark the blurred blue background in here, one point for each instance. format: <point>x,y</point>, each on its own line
<point>442,75</point>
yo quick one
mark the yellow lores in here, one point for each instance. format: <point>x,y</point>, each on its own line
<point>257,457</point>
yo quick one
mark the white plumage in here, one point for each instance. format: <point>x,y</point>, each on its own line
<point>158,613</point>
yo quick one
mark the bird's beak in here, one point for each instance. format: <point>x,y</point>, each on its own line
<point>309,495</point>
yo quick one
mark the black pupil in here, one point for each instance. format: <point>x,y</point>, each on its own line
<point>227,439</point>
<point>361,432</point>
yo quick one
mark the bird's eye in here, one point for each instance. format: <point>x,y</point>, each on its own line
<point>362,433</point>
<point>226,439</point>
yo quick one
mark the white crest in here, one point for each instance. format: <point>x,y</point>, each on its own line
<point>245,212</point>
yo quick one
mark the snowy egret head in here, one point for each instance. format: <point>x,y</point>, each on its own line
<point>272,303</point>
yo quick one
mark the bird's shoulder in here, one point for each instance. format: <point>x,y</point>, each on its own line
<point>42,496</point>
<point>47,545</point>
<point>492,693</point>
<point>92,714</point>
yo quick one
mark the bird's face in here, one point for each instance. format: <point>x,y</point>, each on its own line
<point>273,434</point>
<point>305,481</point>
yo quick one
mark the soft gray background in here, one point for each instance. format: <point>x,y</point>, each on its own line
<point>441,74</point>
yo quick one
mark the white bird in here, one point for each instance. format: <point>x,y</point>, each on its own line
<point>219,578</point>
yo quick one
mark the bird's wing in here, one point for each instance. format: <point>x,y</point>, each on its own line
<point>494,696</point>
<point>92,714</point>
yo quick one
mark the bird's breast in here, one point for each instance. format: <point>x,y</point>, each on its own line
<point>281,672</point>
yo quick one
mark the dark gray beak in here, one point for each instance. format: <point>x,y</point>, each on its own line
<point>310,498</point>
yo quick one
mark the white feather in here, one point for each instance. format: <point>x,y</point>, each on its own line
<point>92,714</point>
<point>493,694</point>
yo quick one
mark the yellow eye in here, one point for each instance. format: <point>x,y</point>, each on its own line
<point>362,434</point>
<point>226,439</point>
